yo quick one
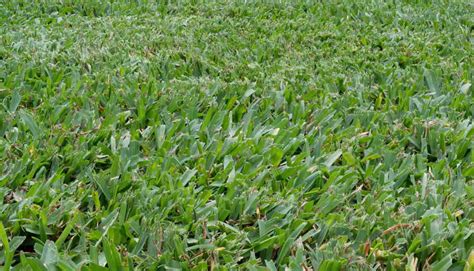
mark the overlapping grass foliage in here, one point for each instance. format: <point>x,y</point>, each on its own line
<point>332,135</point>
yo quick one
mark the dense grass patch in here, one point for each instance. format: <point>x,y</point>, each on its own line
<point>331,135</point>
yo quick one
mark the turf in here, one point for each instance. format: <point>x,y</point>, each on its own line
<point>223,135</point>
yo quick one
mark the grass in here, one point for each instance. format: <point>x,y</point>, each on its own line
<point>331,135</point>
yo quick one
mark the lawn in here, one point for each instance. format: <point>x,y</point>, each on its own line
<point>230,135</point>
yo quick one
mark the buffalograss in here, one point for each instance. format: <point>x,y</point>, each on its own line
<point>330,135</point>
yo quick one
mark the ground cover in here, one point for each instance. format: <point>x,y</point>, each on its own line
<point>324,135</point>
